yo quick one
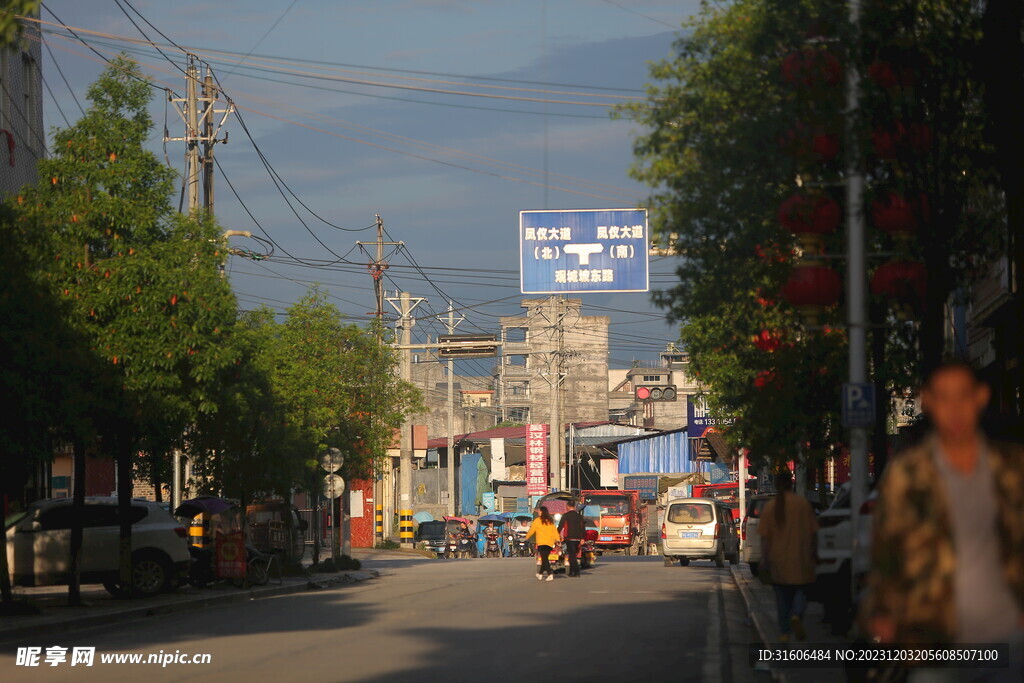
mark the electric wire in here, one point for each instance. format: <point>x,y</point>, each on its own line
<point>56,64</point>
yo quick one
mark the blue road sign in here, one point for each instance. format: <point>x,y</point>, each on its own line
<point>858,405</point>
<point>590,250</point>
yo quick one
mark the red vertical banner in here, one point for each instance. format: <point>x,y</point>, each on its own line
<point>536,459</point>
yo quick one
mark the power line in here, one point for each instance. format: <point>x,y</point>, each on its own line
<point>60,71</point>
<point>263,37</point>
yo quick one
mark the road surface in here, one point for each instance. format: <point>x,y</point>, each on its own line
<point>628,619</point>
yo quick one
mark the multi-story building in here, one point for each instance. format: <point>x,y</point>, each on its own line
<point>474,399</point>
<point>553,339</point>
<point>22,137</point>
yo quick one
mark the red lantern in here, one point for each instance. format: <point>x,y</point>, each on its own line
<point>810,145</point>
<point>904,283</point>
<point>809,216</point>
<point>894,139</point>
<point>812,288</point>
<point>899,217</point>
<point>811,66</point>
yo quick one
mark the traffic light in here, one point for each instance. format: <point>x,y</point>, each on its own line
<point>648,393</point>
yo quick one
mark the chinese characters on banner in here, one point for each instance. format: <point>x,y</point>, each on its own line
<point>230,549</point>
<point>536,459</point>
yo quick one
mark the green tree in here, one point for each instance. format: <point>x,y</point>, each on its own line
<point>714,153</point>
<point>140,283</point>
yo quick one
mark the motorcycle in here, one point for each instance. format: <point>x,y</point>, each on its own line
<point>465,547</point>
<point>523,548</point>
<point>492,549</point>
<point>452,549</point>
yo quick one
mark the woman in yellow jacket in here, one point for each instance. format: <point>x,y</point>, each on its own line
<point>545,532</point>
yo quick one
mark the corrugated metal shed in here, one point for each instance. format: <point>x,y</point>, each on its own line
<point>667,453</point>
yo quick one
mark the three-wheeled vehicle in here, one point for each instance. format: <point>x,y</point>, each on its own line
<point>493,542</point>
<point>278,529</point>
<point>557,504</point>
<point>220,545</point>
<point>518,525</point>
<point>460,545</point>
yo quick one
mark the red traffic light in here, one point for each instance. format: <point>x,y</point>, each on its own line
<point>654,393</point>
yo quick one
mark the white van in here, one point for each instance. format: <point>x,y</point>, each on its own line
<point>699,529</point>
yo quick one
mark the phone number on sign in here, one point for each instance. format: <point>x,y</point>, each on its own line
<point>994,655</point>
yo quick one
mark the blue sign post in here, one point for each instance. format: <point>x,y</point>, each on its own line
<point>590,250</point>
<point>858,405</point>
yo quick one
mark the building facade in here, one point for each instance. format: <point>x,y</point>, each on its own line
<point>672,369</point>
<point>22,136</point>
<point>553,343</point>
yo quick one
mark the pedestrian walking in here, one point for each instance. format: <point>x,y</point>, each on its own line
<point>788,530</point>
<point>573,530</point>
<point>947,549</point>
<point>546,537</point>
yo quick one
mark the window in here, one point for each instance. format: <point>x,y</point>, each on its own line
<point>653,379</point>
<point>108,515</point>
<point>28,108</point>
<point>517,415</point>
<point>515,334</point>
<point>519,389</point>
<point>516,359</point>
<point>690,513</point>
<point>56,519</point>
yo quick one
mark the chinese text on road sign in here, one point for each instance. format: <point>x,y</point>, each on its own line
<point>583,251</point>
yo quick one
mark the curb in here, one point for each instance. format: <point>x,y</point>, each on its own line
<point>66,624</point>
<point>756,617</point>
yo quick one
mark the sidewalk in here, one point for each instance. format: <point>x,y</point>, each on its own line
<point>760,601</point>
<point>99,608</point>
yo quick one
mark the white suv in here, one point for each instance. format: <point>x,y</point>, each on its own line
<point>832,581</point>
<point>39,545</point>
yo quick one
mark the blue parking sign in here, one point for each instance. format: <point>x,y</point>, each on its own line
<point>858,405</point>
<point>581,251</point>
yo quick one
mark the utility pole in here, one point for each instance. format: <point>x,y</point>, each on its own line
<point>406,305</point>
<point>378,266</point>
<point>197,113</point>
<point>555,317</point>
<point>856,297</point>
<point>452,324</point>
<point>377,269</point>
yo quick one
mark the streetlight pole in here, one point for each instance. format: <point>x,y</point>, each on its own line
<point>856,289</point>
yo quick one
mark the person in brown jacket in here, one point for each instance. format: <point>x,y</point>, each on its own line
<point>787,531</point>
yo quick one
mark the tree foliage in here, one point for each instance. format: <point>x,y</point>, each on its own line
<point>718,152</point>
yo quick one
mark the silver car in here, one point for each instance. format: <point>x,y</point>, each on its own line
<point>696,529</point>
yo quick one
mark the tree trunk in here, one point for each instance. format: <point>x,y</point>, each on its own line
<point>78,510</point>
<point>124,445</point>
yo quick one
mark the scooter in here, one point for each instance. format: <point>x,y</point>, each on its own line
<point>465,547</point>
<point>492,549</point>
<point>522,546</point>
<point>452,549</point>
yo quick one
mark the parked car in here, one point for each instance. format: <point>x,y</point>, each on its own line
<point>39,542</point>
<point>432,536</point>
<point>748,532</point>
<point>835,564</point>
<point>699,528</point>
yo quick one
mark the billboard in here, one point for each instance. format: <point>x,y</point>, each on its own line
<point>698,421</point>
<point>582,251</point>
<point>645,485</point>
<point>536,459</point>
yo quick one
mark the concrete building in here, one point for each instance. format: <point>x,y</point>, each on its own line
<point>671,370</point>
<point>22,136</point>
<point>474,398</point>
<point>553,336</point>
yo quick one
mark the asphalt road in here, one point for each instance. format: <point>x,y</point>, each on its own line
<point>628,619</point>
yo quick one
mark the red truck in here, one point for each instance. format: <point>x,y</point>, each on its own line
<point>621,520</point>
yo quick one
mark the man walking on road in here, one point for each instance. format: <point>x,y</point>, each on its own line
<point>573,530</point>
<point>948,534</point>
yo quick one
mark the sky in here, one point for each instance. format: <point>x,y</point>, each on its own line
<point>448,173</point>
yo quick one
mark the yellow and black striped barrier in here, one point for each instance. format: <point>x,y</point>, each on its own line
<point>199,531</point>
<point>379,528</point>
<point>405,527</point>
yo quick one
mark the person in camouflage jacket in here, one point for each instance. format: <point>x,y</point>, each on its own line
<point>910,597</point>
